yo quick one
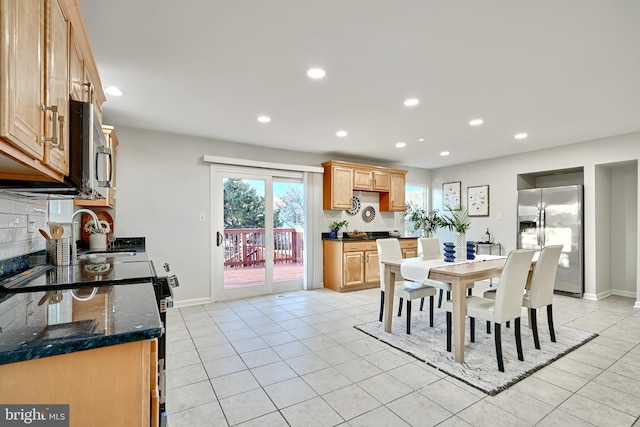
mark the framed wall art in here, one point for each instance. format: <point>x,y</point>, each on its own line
<point>451,195</point>
<point>478,200</point>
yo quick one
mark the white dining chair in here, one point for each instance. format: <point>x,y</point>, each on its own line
<point>506,306</point>
<point>540,292</point>
<point>429,248</point>
<point>389,249</point>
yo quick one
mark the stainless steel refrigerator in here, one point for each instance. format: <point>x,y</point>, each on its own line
<point>553,216</point>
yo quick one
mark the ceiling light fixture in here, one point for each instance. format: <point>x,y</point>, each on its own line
<point>264,119</point>
<point>520,135</point>
<point>411,102</point>
<point>421,140</point>
<point>401,144</point>
<point>341,133</point>
<point>444,153</point>
<point>476,122</point>
<point>315,73</point>
<point>112,90</point>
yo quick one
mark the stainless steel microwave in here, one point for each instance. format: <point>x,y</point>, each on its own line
<point>90,162</point>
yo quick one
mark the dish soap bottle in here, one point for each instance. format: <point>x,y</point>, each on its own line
<point>487,237</point>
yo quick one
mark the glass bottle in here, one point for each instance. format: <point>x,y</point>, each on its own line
<point>487,237</point>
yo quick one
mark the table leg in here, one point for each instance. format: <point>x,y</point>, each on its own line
<point>458,298</point>
<point>389,281</point>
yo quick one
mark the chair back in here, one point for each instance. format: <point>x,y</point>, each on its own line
<point>429,247</point>
<point>508,304</point>
<point>544,276</point>
<point>388,249</point>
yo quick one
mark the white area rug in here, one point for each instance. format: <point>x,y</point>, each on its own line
<point>480,369</point>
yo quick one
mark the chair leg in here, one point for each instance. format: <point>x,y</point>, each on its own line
<point>421,303</point>
<point>381,305</point>
<point>440,298</point>
<point>469,291</point>
<point>431,311</point>
<point>472,328</point>
<point>400,307</point>
<point>488,327</point>
<point>448,295</point>
<point>519,340</point>
<point>408,317</point>
<point>552,332</point>
<point>498,347</point>
<point>448,331</point>
<point>534,328</point>
<point>508,324</point>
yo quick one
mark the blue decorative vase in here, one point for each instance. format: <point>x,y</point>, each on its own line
<point>449,252</point>
<point>471,250</point>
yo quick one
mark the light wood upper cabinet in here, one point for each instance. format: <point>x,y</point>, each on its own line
<point>338,187</point>
<point>341,178</point>
<point>39,63</point>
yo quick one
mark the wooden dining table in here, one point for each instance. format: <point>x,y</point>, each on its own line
<point>458,275</point>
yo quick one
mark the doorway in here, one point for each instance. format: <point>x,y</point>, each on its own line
<point>258,222</point>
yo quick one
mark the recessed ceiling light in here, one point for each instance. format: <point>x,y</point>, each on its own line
<point>315,73</point>
<point>421,140</point>
<point>444,153</point>
<point>520,135</point>
<point>411,102</point>
<point>401,144</point>
<point>112,90</point>
<point>476,122</point>
<point>264,119</point>
<point>341,133</point>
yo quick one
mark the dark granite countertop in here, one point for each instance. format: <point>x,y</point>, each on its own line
<point>41,324</point>
<point>371,235</point>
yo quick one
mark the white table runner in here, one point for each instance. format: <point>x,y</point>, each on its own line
<point>418,271</point>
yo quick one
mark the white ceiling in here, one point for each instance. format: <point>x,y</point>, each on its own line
<point>561,71</point>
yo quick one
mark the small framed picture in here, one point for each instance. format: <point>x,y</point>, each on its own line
<point>451,195</point>
<point>478,200</point>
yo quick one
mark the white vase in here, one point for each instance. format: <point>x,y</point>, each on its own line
<point>97,241</point>
<point>461,246</point>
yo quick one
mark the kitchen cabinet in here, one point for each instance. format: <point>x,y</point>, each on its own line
<point>81,86</point>
<point>107,386</point>
<point>350,265</point>
<point>341,178</point>
<point>110,200</point>
<point>34,76</point>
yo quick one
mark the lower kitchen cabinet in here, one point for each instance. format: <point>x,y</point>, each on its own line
<point>350,265</point>
<point>108,386</point>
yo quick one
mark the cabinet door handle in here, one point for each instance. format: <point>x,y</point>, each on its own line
<point>53,140</point>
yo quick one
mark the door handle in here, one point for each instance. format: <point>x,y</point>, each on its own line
<point>218,238</point>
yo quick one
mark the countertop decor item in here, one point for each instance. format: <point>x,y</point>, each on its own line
<point>104,217</point>
<point>427,221</point>
<point>355,206</point>
<point>368,214</point>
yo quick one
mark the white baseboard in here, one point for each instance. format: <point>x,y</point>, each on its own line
<point>598,296</point>
<point>188,302</point>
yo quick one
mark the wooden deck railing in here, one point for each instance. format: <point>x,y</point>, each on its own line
<point>245,247</point>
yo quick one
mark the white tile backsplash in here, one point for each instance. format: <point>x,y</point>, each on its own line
<point>15,212</point>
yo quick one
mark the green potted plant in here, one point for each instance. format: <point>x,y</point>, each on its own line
<point>335,226</point>
<point>459,222</point>
<point>427,221</point>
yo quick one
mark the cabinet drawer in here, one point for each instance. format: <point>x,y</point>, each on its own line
<point>369,245</point>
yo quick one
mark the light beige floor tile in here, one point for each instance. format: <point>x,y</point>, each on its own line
<point>326,380</point>
<point>620,382</point>
<point>448,395</point>
<point>544,391</point>
<point>240,334</point>
<point>186,375</point>
<point>612,397</point>
<point>246,406</point>
<point>561,378</point>
<point>365,346</point>
<point>414,374</point>
<point>290,392</point>
<point>595,412</point>
<point>273,419</point>
<point>379,417</point>
<point>336,355</point>
<point>224,366</point>
<point>577,368</point>
<point>291,350</point>
<point>273,373</point>
<point>278,338</point>
<point>454,422</point>
<point>209,340</point>
<point>351,401</point>
<point>358,369</point>
<point>484,414</point>
<point>232,384</point>
<point>218,351</point>
<point>388,359</point>
<point>179,335</point>
<point>207,414</point>
<point>266,356</point>
<point>312,413</point>
<point>417,410</point>
<point>200,331</point>
<point>180,346</point>
<point>250,344</point>
<point>306,364</point>
<point>559,418</point>
<point>521,405</point>
<point>189,396</point>
<point>232,326</point>
<point>180,360</point>
<point>319,343</point>
<point>385,388</point>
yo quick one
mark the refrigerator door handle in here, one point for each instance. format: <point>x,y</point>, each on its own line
<point>542,226</point>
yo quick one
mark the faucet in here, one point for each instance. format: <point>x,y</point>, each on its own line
<point>74,248</point>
